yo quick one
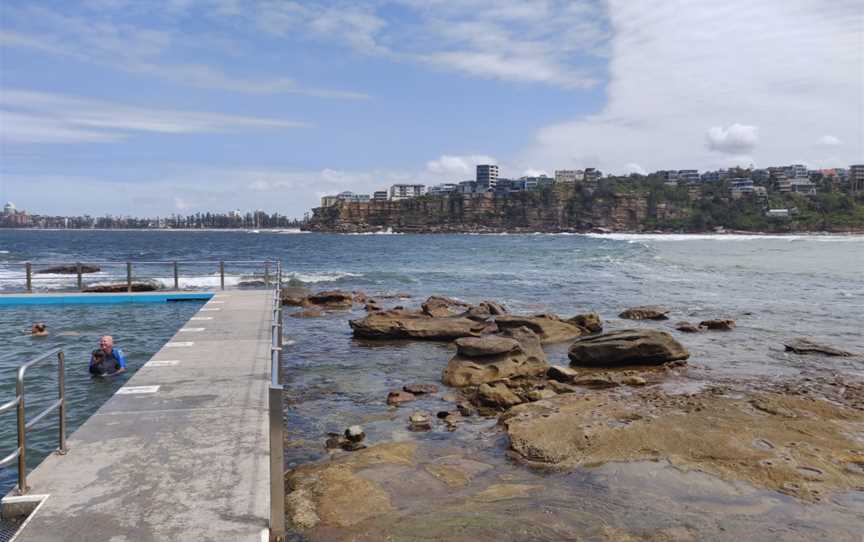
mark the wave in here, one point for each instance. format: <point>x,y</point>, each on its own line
<point>388,231</point>
<point>639,237</point>
<point>313,278</point>
<point>4,252</point>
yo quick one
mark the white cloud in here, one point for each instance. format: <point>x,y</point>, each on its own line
<point>40,117</point>
<point>140,51</point>
<point>792,68</point>
<point>458,166</point>
<point>829,141</point>
<point>530,172</point>
<point>634,168</point>
<point>735,139</point>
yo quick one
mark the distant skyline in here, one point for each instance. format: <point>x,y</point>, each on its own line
<point>153,108</point>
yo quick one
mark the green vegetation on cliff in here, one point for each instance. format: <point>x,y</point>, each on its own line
<point>621,203</point>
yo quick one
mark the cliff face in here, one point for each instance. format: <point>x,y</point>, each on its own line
<point>559,209</point>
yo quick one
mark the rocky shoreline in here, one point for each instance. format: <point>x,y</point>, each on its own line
<point>798,438</point>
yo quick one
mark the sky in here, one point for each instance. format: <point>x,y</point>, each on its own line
<point>146,108</point>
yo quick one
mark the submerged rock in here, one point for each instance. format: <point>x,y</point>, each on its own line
<point>420,389</point>
<point>355,433</point>
<point>396,398</point>
<point>401,324</point>
<point>718,325</point>
<point>307,313</point>
<point>332,299</point>
<point>420,421</point>
<point>806,346</point>
<point>687,327</point>
<point>68,269</point>
<point>626,347</point>
<point>140,286</point>
<point>590,322</point>
<point>526,360</point>
<point>548,327</point>
<point>647,312</point>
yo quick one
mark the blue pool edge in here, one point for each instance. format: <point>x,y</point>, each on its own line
<point>99,299</point>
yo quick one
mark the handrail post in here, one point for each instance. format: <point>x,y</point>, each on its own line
<point>176,276</point>
<point>22,437</point>
<point>222,274</point>
<point>80,277</point>
<point>129,277</point>
<point>267,274</point>
<point>277,466</point>
<point>29,268</point>
<point>61,395</point>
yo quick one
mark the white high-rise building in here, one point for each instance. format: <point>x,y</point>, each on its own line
<point>568,176</point>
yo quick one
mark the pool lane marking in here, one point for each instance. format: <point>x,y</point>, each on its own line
<point>216,303</point>
<point>193,329</point>
<point>210,310</point>
<point>137,390</point>
<point>201,318</point>
<point>162,363</point>
<point>180,344</point>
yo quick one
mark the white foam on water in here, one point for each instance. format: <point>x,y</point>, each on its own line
<point>638,237</point>
<point>4,252</point>
<point>388,231</point>
<point>320,277</point>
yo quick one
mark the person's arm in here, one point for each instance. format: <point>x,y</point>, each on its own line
<point>121,360</point>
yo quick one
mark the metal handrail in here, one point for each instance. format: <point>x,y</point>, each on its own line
<point>276,425</point>
<point>20,452</point>
<point>220,267</point>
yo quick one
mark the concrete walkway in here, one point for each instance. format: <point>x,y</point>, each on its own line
<point>181,451</point>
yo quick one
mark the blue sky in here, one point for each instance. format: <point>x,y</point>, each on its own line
<point>151,108</point>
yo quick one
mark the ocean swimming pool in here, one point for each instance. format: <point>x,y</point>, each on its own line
<point>139,328</point>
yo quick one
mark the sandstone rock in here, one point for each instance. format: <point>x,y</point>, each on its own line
<point>355,433</point>
<point>548,327</point>
<point>420,389</point>
<point>401,324</point>
<point>650,312</point>
<point>561,374</point>
<point>626,347</point>
<point>442,307</point>
<point>420,421</point>
<point>495,309</point>
<point>490,345</point>
<point>142,286</point>
<point>300,509</point>
<point>307,313</point>
<point>806,346</point>
<point>528,360</point>
<point>396,398</point>
<point>68,269</point>
<point>251,283</point>
<point>497,395</point>
<point>687,327</point>
<point>590,322</point>
<point>720,325</point>
<point>599,380</point>
<point>332,299</point>
<point>539,395</point>
<point>632,380</point>
<point>465,408</point>
<point>373,306</point>
<point>360,297</point>
<point>560,387</point>
<point>294,296</point>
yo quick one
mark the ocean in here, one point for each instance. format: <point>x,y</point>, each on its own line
<point>775,288</point>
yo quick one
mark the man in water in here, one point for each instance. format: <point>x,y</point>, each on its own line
<point>107,360</point>
<point>39,329</point>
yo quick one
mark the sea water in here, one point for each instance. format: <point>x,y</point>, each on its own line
<point>775,287</point>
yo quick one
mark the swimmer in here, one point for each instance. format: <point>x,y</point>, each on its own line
<point>106,360</point>
<point>39,329</point>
